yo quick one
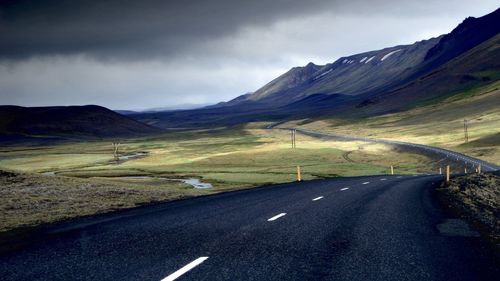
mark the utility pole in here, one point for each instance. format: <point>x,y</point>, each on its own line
<point>292,135</point>
<point>466,133</point>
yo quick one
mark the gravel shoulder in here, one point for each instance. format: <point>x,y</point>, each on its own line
<point>476,198</point>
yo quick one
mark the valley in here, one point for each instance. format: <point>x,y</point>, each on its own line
<point>419,93</point>
<point>228,159</point>
<point>249,140</point>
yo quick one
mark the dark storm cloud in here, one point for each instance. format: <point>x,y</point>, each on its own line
<point>130,28</point>
<point>149,53</point>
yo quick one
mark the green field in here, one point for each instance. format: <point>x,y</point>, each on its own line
<point>227,158</point>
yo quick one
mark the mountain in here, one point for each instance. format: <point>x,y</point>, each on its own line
<point>186,106</point>
<point>470,33</point>
<point>376,72</point>
<point>125,112</point>
<point>475,68</point>
<point>353,75</point>
<point>367,84</point>
<point>89,121</point>
<point>295,77</point>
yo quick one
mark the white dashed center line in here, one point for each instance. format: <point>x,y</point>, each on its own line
<point>345,188</point>
<point>382,179</point>
<point>367,182</point>
<point>185,269</point>
<point>399,177</point>
<point>317,198</point>
<point>276,217</point>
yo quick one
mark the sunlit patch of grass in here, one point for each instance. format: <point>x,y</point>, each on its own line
<point>48,162</point>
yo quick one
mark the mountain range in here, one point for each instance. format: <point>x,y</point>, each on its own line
<point>366,84</point>
<point>373,83</point>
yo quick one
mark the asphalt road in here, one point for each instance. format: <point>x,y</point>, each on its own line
<point>363,228</point>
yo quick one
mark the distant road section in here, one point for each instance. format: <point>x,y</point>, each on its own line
<point>452,157</point>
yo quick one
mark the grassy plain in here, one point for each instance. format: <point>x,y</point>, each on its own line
<point>226,158</point>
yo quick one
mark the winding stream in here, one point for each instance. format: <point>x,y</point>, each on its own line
<point>194,182</point>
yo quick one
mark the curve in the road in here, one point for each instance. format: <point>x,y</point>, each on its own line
<point>452,156</point>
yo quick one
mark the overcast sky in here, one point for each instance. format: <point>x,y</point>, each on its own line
<point>131,54</point>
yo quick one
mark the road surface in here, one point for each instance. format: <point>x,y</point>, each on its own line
<point>362,228</point>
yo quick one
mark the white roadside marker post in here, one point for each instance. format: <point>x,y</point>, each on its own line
<point>299,176</point>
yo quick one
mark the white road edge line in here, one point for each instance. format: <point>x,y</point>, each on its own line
<point>185,269</point>
<point>366,182</point>
<point>317,198</point>
<point>345,188</point>
<point>276,217</point>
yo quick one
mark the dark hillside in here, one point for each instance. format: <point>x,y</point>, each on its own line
<point>68,121</point>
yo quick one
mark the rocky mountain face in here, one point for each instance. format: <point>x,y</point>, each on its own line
<point>369,72</point>
<point>470,33</point>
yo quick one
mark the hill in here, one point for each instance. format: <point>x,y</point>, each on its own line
<point>68,122</point>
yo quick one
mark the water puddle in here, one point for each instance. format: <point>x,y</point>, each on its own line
<point>194,182</point>
<point>134,155</point>
<point>456,227</point>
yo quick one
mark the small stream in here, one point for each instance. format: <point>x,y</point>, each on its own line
<point>134,155</point>
<point>194,182</point>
